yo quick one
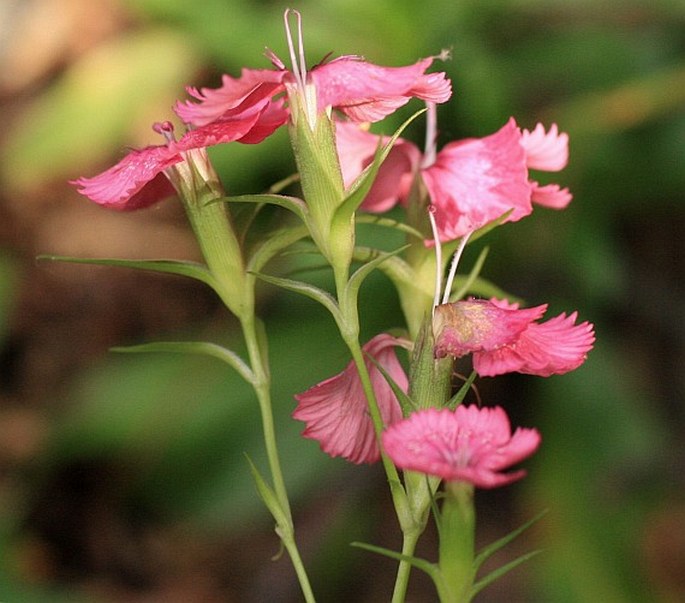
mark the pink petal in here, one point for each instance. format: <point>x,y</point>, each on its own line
<point>336,411</point>
<point>550,348</point>
<point>356,150</point>
<point>551,195</point>
<point>478,325</point>
<point>474,181</point>
<point>137,181</point>
<point>545,151</point>
<point>133,183</point>
<point>470,444</point>
<point>368,92</point>
<point>218,132</point>
<point>235,96</point>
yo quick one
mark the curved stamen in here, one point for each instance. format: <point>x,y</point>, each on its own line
<point>299,64</point>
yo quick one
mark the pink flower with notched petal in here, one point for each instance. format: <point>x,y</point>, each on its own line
<point>554,347</point>
<point>550,195</point>
<point>336,410</point>
<point>505,339</point>
<point>361,90</point>
<point>477,324</point>
<point>545,151</point>
<point>470,444</point>
<point>471,182</point>
<point>475,181</point>
<point>140,179</point>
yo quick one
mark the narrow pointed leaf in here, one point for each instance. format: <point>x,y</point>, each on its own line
<point>395,268</point>
<point>388,223</point>
<point>356,280</point>
<point>193,347</point>
<point>430,568</point>
<point>458,398</point>
<point>295,205</point>
<point>499,572</point>
<point>273,245</point>
<point>181,268</point>
<point>464,286</point>
<point>319,295</point>
<point>407,404</point>
<point>286,182</point>
<point>267,495</point>
<point>362,185</point>
<point>492,548</point>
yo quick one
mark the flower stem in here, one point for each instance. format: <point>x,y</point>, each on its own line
<point>409,540</point>
<point>223,255</point>
<point>262,387</point>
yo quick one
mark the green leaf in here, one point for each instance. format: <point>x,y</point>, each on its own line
<point>181,268</point>
<point>319,295</point>
<point>388,223</point>
<point>273,245</point>
<point>356,280</point>
<point>193,347</point>
<point>395,268</point>
<point>489,550</point>
<point>362,185</point>
<point>407,404</point>
<point>499,572</point>
<point>293,204</point>
<point>430,568</point>
<point>458,398</point>
<point>464,286</point>
<point>267,494</point>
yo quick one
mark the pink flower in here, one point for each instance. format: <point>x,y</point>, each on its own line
<point>360,90</point>
<point>356,151</point>
<point>472,181</point>
<point>142,177</point>
<point>504,339</point>
<point>470,444</point>
<point>336,410</point>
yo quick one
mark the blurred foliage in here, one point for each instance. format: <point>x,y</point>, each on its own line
<point>173,430</point>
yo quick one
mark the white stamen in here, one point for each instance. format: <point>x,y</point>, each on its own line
<point>430,150</point>
<point>438,256</point>
<point>453,267</point>
<point>299,65</point>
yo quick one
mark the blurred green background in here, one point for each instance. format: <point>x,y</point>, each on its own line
<point>123,478</point>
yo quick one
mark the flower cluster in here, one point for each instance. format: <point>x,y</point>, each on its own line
<point>250,108</point>
<point>372,410</point>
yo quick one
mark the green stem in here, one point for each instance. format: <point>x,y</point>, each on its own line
<point>409,540</point>
<point>262,386</point>
<point>457,527</point>
<point>223,255</point>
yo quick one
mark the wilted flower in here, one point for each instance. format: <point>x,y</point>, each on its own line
<point>504,339</point>
<point>336,410</point>
<point>470,444</point>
